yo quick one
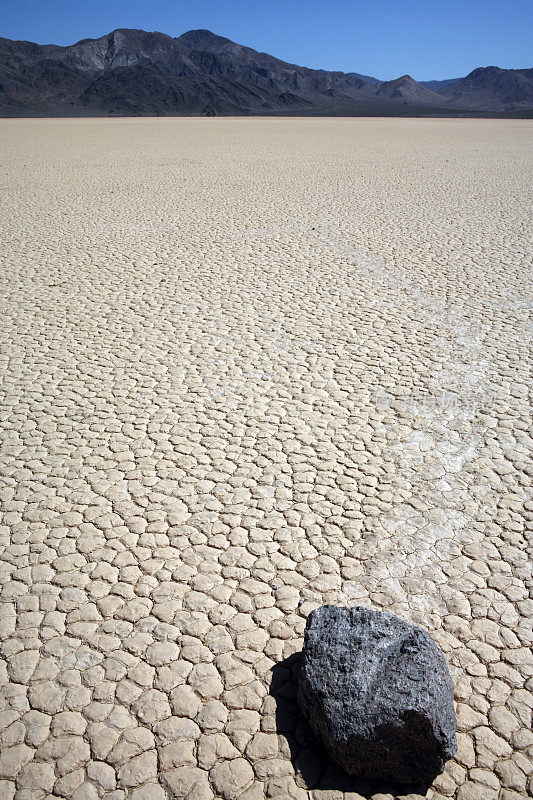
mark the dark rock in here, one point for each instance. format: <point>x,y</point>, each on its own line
<point>378,694</point>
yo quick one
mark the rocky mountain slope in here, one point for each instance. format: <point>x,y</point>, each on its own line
<point>490,87</point>
<point>134,72</point>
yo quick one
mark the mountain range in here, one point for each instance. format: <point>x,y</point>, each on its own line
<point>134,72</point>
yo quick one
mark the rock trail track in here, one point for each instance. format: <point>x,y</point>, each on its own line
<point>248,367</point>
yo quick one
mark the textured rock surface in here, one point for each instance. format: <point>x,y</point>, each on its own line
<point>378,693</point>
<point>136,72</point>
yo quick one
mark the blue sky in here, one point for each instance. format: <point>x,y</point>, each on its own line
<point>429,39</point>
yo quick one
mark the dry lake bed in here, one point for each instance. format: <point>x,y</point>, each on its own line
<point>251,366</point>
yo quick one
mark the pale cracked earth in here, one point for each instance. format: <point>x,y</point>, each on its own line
<point>250,367</point>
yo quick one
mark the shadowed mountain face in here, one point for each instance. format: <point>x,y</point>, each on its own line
<point>490,87</point>
<point>134,72</point>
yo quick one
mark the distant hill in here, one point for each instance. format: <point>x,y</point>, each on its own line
<point>407,90</point>
<point>490,87</point>
<point>366,78</point>
<point>436,85</point>
<point>134,72</point>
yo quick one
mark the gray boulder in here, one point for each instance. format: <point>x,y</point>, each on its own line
<point>377,693</point>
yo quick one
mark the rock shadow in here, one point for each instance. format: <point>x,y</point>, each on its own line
<point>315,768</point>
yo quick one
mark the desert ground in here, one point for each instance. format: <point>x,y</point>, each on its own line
<point>251,366</point>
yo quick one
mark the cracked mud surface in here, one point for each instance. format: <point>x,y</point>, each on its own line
<point>250,367</point>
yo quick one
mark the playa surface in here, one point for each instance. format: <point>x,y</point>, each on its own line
<point>251,366</point>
